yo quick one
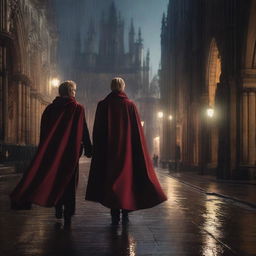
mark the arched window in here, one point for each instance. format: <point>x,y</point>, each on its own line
<point>214,71</point>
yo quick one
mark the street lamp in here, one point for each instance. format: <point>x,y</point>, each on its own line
<point>160,114</point>
<point>210,112</point>
<point>55,82</point>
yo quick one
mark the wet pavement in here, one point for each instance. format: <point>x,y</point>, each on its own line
<point>190,223</point>
<point>240,191</point>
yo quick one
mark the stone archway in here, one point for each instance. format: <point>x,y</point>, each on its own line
<point>213,79</point>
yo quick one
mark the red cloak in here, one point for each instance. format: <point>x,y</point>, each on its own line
<point>121,174</point>
<point>57,157</point>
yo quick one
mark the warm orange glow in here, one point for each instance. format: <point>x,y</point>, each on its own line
<point>55,82</point>
<point>160,114</point>
<point>210,112</point>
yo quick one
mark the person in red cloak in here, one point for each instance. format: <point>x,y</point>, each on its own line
<point>52,177</point>
<point>121,174</point>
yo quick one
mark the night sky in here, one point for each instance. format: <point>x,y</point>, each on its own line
<point>75,15</point>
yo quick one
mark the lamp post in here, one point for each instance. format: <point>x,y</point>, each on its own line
<point>160,115</point>
<point>209,115</point>
<point>55,82</point>
<point>210,112</point>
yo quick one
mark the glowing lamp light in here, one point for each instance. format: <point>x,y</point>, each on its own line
<point>170,117</point>
<point>160,114</point>
<point>142,123</point>
<point>55,82</point>
<point>210,112</point>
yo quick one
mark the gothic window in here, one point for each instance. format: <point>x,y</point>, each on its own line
<point>214,71</point>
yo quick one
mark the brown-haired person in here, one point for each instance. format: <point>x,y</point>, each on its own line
<point>121,176</point>
<point>52,177</point>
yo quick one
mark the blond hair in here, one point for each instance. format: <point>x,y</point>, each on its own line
<point>65,87</point>
<point>117,84</point>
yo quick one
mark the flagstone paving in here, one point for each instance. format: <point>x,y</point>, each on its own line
<point>190,223</point>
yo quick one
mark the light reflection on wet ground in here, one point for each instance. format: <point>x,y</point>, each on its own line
<point>189,223</point>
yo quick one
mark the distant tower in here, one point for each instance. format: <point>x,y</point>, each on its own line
<point>111,46</point>
<point>77,50</point>
<point>90,46</point>
<point>163,40</point>
<point>139,50</point>
<point>145,76</point>
<point>120,35</point>
<point>131,39</point>
<point>90,42</point>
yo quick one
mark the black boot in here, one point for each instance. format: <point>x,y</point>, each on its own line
<point>125,217</point>
<point>59,211</point>
<point>115,216</point>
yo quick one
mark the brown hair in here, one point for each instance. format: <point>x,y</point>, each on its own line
<point>65,87</point>
<point>118,84</point>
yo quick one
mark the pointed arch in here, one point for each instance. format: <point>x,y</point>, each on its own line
<point>250,56</point>
<point>213,71</point>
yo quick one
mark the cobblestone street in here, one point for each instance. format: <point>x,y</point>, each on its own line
<point>189,223</point>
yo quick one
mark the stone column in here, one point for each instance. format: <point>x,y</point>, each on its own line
<point>19,113</point>
<point>37,119</point>
<point>1,97</point>
<point>28,116</point>
<point>33,120</point>
<point>5,96</point>
<point>245,128</point>
<point>24,113</point>
<point>252,128</point>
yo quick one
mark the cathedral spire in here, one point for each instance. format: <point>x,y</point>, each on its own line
<point>139,36</point>
<point>90,41</point>
<point>132,28</point>
<point>113,17</point>
<point>148,58</point>
<point>163,23</point>
<point>131,38</point>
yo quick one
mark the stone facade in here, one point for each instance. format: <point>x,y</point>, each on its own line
<point>27,64</point>
<point>208,64</point>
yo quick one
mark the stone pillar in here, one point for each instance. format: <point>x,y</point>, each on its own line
<point>245,128</point>
<point>33,120</point>
<point>28,117</point>
<point>37,119</point>
<point>34,116</point>
<point>23,114</point>
<point>3,15</point>
<point>252,128</point>
<point>1,96</point>
<point>5,96</point>
<point>19,113</point>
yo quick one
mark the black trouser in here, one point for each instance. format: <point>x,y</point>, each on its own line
<point>115,213</point>
<point>68,199</point>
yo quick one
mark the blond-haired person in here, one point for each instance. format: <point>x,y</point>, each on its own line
<point>121,176</point>
<point>52,177</point>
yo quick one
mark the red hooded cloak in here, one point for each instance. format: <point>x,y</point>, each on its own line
<point>54,165</point>
<point>121,174</point>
